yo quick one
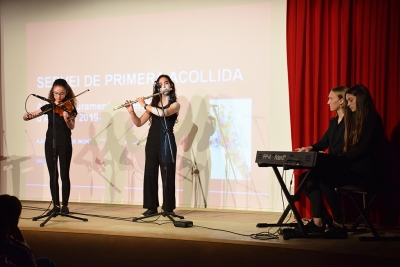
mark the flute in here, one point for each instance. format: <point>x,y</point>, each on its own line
<point>146,97</point>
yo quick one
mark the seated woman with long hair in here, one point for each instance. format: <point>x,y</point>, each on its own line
<point>363,140</point>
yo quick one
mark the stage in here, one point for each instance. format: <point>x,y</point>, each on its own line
<point>218,238</point>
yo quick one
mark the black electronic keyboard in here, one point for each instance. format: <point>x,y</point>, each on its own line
<point>298,160</point>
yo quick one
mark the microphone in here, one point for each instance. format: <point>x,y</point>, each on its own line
<point>41,97</point>
<point>157,85</point>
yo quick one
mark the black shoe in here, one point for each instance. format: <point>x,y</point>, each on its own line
<point>328,221</point>
<point>149,212</point>
<point>64,210</point>
<point>54,209</point>
<point>336,232</point>
<point>313,228</point>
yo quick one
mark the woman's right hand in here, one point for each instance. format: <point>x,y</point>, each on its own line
<point>304,149</point>
<point>28,116</point>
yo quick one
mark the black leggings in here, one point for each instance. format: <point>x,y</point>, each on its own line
<point>64,154</point>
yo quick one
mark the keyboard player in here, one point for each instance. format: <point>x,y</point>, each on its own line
<point>333,140</point>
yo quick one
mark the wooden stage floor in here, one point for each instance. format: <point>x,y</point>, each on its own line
<point>218,238</point>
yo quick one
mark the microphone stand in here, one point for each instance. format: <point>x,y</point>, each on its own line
<point>196,174</point>
<point>164,181</point>
<point>55,192</point>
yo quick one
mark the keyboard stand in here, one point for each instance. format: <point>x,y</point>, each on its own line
<point>290,233</point>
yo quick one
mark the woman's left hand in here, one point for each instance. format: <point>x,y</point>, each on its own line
<point>141,101</point>
<point>65,115</point>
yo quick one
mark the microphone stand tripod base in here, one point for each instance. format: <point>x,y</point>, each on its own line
<point>180,223</point>
<point>55,214</point>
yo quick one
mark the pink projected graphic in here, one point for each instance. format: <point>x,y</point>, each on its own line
<point>219,61</point>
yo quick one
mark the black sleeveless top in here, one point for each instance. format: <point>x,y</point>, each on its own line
<point>157,137</point>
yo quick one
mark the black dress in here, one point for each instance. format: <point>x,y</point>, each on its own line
<point>158,156</point>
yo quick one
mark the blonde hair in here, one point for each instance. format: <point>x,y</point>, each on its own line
<point>340,91</point>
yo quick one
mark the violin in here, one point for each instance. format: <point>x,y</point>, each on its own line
<point>68,107</point>
<point>60,108</point>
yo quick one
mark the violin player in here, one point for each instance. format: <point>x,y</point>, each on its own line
<point>64,123</point>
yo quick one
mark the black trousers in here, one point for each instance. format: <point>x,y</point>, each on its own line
<point>312,189</point>
<point>323,182</point>
<point>63,153</point>
<point>153,165</point>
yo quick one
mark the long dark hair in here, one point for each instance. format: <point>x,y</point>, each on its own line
<point>354,121</point>
<point>172,93</point>
<point>69,92</point>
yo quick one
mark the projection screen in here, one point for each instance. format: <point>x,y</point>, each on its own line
<point>228,62</point>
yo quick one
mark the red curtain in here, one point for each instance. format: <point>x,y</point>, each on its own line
<point>341,42</point>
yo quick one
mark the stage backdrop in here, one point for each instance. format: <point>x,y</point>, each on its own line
<point>227,59</point>
<point>340,42</point>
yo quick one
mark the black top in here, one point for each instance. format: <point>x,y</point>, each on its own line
<point>63,136</point>
<point>157,136</point>
<point>333,138</point>
<point>366,155</point>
